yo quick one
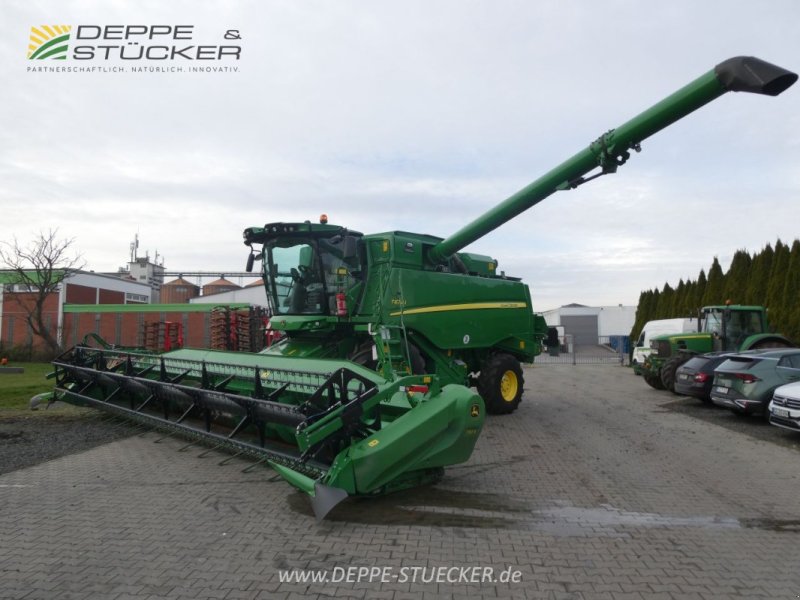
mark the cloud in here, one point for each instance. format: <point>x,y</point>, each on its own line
<point>414,116</point>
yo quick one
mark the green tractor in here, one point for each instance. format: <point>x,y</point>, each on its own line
<point>720,328</point>
<point>369,389</point>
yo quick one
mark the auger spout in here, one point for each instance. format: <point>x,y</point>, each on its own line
<point>612,149</point>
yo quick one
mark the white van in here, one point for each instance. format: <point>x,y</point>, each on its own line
<point>654,328</point>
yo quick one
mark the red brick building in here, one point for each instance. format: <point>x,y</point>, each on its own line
<point>127,325</point>
<point>78,287</point>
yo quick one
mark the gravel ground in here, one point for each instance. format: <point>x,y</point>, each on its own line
<point>28,440</point>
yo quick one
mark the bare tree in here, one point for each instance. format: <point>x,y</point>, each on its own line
<point>39,268</point>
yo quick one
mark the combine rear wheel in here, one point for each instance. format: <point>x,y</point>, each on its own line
<point>500,384</point>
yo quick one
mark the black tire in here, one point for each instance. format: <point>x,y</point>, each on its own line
<point>500,384</point>
<point>770,344</point>
<point>654,381</point>
<point>669,372</point>
<point>765,411</point>
<point>362,355</point>
<point>418,366</point>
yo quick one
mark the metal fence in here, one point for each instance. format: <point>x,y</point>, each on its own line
<point>608,350</point>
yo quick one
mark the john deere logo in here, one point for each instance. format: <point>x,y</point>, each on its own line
<point>49,41</point>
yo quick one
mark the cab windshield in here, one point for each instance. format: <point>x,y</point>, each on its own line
<point>303,276</point>
<point>712,323</point>
<point>737,322</point>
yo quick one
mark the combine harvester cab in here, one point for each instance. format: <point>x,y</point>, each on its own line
<point>368,390</point>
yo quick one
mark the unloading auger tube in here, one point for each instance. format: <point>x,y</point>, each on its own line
<point>612,149</point>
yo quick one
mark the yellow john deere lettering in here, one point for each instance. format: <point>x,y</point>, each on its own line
<point>453,307</point>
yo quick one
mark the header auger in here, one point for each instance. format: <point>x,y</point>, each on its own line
<point>384,334</point>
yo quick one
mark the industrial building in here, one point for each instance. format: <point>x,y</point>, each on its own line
<point>591,325</point>
<point>254,294</point>
<point>134,307</point>
<point>77,287</point>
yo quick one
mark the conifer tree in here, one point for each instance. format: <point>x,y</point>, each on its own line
<point>736,278</point>
<point>715,287</point>
<point>642,313</point>
<point>679,307</point>
<point>666,302</point>
<point>775,286</point>
<point>699,291</point>
<point>791,292</point>
<point>758,281</point>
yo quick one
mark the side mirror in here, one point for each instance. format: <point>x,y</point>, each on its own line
<point>349,247</point>
<point>250,260</point>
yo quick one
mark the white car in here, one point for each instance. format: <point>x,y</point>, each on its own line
<point>784,410</point>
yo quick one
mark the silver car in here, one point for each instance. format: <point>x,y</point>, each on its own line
<point>745,382</point>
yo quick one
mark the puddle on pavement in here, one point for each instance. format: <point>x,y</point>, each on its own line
<point>439,507</point>
<point>433,507</point>
<point>607,516</point>
<point>785,525</point>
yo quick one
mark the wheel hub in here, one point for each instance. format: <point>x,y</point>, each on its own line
<point>509,385</point>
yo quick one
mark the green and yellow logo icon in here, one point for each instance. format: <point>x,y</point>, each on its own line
<point>49,41</point>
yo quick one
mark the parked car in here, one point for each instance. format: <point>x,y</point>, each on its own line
<point>784,410</point>
<point>696,376</point>
<point>746,381</point>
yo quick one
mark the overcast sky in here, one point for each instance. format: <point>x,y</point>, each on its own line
<point>411,115</point>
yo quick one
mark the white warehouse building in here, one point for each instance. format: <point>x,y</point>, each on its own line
<point>588,325</point>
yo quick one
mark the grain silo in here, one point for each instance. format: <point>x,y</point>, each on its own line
<point>178,291</point>
<point>218,286</point>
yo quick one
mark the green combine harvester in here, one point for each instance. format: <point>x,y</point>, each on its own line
<point>369,391</point>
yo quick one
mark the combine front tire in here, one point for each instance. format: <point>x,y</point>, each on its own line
<point>500,384</point>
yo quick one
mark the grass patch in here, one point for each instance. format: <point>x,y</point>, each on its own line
<point>17,389</point>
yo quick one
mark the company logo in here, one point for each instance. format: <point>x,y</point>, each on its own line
<point>49,41</point>
<point>130,43</point>
<point>164,48</point>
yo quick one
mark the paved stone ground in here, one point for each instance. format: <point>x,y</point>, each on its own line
<point>593,489</point>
